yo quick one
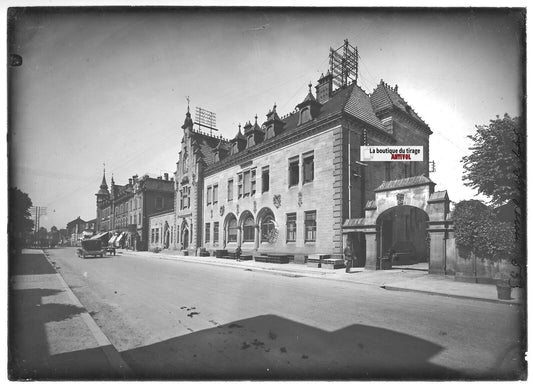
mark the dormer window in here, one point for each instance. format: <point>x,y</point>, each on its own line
<point>250,141</point>
<point>305,115</point>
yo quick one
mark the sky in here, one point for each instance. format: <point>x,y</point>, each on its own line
<point>110,85</point>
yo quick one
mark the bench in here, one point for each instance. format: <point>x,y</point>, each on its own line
<point>273,258</point>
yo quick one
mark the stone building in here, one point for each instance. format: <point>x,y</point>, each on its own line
<point>125,209</point>
<point>289,184</point>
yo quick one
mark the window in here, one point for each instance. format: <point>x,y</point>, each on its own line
<point>230,190</point>
<point>207,232</point>
<point>158,203</point>
<point>153,235</point>
<point>184,163</point>
<point>185,199</point>
<point>239,179</point>
<point>310,226</point>
<point>248,229</point>
<point>209,189</point>
<point>291,227</point>
<point>232,230</point>
<point>215,233</point>
<point>215,194</point>
<point>267,227</point>
<point>309,167</point>
<point>246,184</point>
<point>156,235</point>
<point>265,179</point>
<point>294,171</point>
<point>305,115</point>
<point>252,179</point>
<point>250,141</point>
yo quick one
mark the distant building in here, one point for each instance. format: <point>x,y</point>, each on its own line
<point>125,209</point>
<point>75,229</point>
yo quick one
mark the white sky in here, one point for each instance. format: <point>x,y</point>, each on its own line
<point>110,87</point>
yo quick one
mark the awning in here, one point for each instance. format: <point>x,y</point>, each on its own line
<point>112,239</point>
<point>100,235</point>
<point>119,238</point>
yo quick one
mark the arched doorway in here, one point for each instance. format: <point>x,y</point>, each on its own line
<point>267,226</point>
<point>230,229</point>
<point>402,230</point>
<point>248,227</point>
<point>184,235</point>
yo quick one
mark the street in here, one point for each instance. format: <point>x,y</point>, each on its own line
<point>181,320</point>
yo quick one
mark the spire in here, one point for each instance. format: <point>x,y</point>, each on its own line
<point>103,185</point>
<point>188,120</point>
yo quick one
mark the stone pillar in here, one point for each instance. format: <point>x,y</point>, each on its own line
<point>239,236</point>
<point>372,261</point>
<point>257,233</point>
<point>437,250</point>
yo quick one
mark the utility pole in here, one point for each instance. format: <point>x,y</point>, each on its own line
<point>37,212</point>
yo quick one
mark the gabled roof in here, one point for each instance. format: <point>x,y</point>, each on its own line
<point>205,144</point>
<point>404,183</point>
<point>385,97</point>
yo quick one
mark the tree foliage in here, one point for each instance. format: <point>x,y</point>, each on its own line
<point>19,212</point>
<point>477,229</point>
<point>495,166</point>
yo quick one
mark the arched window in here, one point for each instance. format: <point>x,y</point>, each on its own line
<point>232,230</point>
<point>267,226</point>
<point>248,229</point>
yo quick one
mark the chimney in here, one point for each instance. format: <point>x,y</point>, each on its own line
<point>324,88</point>
<point>166,176</point>
<point>130,180</point>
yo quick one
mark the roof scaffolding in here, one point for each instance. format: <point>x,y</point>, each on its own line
<point>344,64</point>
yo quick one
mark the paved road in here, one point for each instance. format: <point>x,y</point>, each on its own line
<point>172,319</point>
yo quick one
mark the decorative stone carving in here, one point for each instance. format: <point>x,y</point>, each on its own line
<point>300,200</point>
<point>399,198</point>
<point>221,209</point>
<point>277,200</point>
<point>255,206</point>
<point>237,209</point>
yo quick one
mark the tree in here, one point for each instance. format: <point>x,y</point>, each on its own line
<point>20,222</point>
<point>496,166</point>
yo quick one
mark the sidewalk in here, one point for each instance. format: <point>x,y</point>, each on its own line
<point>51,335</point>
<point>395,279</point>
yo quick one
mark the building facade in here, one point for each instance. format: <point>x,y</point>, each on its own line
<point>289,184</point>
<point>127,208</point>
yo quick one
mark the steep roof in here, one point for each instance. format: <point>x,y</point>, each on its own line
<point>385,97</point>
<point>205,144</point>
<point>404,183</point>
<point>359,105</point>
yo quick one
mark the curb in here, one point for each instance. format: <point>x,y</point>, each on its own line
<point>113,356</point>
<point>433,293</point>
<point>325,277</point>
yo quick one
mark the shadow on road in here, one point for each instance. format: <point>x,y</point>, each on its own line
<point>271,347</point>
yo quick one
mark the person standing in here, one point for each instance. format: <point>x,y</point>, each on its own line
<point>347,258</point>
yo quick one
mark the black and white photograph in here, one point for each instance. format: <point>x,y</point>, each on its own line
<point>257,193</point>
